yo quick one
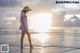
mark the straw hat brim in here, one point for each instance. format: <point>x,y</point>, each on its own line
<point>27,9</point>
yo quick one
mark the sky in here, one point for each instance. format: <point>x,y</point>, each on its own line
<point>62,13</point>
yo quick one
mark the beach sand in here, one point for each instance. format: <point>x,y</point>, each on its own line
<point>54,49</point>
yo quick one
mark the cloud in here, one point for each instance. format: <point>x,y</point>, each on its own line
<point>10,3</point>
<point>13,3</point>
<point>42,5</point>
<point>73,21</point>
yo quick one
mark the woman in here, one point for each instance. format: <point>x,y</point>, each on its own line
<point>24,25</point>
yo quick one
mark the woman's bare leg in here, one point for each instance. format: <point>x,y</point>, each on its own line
<point>22,37</point>
<point>29,38</point>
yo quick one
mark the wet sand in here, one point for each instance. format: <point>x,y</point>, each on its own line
<point>58,42</point>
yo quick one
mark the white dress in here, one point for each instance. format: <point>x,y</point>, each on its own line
<point>25,21</point>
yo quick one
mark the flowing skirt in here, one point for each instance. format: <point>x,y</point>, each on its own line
<point>22,27</point>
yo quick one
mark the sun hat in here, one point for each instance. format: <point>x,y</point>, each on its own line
<point>27,8</point>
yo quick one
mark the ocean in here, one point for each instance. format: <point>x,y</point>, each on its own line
<point>64,40</point>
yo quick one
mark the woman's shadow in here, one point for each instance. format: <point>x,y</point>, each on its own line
<point>30,51</point>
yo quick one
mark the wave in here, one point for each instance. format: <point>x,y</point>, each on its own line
<point>9,32</point>
<point>58,46</point>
